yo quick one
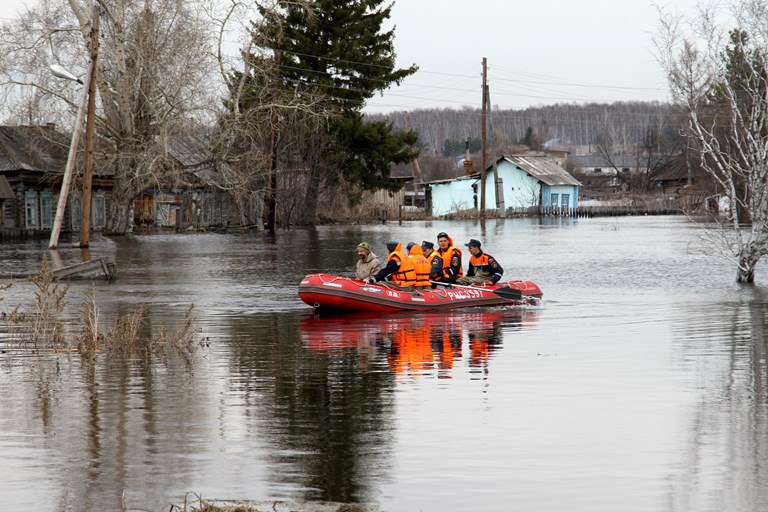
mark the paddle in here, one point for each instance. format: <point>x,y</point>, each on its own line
<point>504,293</point>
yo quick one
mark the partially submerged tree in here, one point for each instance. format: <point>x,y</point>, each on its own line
<point>721,82</point>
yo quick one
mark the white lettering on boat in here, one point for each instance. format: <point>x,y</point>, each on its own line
<point>335,285</point>
<point>306,281</point>
<point>465,294</point>
<point>418,299</point>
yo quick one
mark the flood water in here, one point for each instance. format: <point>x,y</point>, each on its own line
<point>638,384</point>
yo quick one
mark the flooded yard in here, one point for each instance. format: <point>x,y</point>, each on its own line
<point>638,383</point>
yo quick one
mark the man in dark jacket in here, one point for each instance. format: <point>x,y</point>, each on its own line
<point>483,268</point>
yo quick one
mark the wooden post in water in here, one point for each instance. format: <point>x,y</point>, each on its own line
<point>483,159</point>
<point>85,220</point>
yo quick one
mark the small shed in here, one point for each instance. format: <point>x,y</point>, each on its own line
<point>444,197</point>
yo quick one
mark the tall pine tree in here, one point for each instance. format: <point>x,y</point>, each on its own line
<point>338,48</point>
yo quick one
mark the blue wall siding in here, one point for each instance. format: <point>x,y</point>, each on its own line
<point>548,193</point>
<point>520,189</point>
<point>452,197</point>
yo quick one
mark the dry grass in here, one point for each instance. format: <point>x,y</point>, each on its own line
<point>198,504</point>
<point>42,327</point>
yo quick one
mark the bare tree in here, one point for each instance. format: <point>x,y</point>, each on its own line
<point>156,73</point>
<point>721,82</point>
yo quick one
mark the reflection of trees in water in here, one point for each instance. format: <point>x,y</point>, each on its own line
<point>102,424</point>
<point>726,467</point>
<point>327,419</point>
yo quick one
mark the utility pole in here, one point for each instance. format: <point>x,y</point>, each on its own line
<point>85,221</point>
<point>484,162</point>
<point>416,168</point>
<point>499,184</point>
<point>270,204</point>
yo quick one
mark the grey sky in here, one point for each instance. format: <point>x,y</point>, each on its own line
<point>539,51</point>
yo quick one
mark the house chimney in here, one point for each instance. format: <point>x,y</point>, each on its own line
<point>468,163</point>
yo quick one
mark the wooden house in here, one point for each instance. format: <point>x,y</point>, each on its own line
<point>187,197</point>
<point>32,163</point>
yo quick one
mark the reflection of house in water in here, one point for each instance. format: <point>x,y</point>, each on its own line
<point>418,344</point>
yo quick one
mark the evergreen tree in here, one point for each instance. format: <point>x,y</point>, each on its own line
<point>339,49</point>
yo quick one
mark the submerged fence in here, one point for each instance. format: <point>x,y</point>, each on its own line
<point>595,211</point>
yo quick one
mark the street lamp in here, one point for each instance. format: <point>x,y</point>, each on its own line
<point>61,72</point>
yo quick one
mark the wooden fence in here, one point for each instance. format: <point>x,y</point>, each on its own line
<point>594,211</point>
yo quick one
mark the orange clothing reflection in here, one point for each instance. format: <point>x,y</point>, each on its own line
<point>416,345</point>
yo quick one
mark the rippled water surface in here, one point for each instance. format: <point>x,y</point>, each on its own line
<point>638,384</point>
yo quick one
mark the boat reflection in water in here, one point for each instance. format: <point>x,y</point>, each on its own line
<point>418,344</point>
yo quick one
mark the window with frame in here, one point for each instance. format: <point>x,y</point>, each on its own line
<point>99,210</point>
<point>75,206</point>
<point>31,208</point>
<point>46,209</point>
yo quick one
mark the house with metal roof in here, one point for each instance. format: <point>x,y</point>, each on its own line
<point>525,182</point>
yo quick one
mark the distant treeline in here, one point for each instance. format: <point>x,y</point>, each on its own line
<point>442,132</point>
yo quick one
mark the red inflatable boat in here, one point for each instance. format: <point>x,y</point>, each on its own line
<point>326,291</point>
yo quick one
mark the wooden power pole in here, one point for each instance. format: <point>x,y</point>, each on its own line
<point>483,160</point>
<point>498,183</point>
<point>85,220</point>
<point>270,191</point>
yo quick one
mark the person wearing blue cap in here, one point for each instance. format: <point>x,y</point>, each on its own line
<point>483,268</point>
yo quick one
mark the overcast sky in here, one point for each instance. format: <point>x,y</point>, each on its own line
<point>539,51</point>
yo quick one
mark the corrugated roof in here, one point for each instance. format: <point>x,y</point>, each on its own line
<point>543,168</point>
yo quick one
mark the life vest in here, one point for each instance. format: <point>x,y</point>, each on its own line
<point>448,256</point>
<point>421,265</point>
<point>406,273</point>
<point>431,260</point>
<point>480,264</point>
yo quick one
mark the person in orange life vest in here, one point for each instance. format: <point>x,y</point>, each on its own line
<point>399,268</point>
<point>434,259</point>
<point>483,268</point>
<point>421,265</point>
<point>451,256</point>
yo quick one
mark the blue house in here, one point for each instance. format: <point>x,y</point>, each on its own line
<point>526,182</point>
